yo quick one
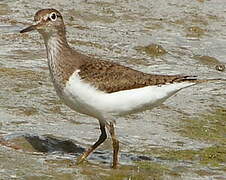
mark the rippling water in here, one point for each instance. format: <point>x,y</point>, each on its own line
<point>193,35</point>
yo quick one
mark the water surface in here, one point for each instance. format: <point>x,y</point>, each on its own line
<point>154,144</point>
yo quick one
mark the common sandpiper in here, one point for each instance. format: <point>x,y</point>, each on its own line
<point>100,88</point>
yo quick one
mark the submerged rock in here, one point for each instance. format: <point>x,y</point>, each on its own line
<point>155,50</point>
<point>45,143</point>
<point>211,62</point>
<point>195,31</point>
<point>152,50</point>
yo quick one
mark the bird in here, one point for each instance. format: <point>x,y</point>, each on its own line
<point>99,88</point>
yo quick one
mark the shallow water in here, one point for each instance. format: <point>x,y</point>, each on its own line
<point>124,32</point>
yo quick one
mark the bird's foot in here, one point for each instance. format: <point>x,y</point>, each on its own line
<point>82,157</point>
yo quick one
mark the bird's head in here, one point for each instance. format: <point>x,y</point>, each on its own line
<point>47,22</point>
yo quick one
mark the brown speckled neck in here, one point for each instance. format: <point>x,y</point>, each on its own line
<point>56,47</point>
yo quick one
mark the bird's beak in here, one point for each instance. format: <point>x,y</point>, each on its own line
<point>28,29</point>
<point>31,28</point>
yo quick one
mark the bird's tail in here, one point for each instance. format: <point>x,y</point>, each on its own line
<point>209,80</point>
<point>196,80</point>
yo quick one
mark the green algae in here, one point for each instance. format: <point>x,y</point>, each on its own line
<point>209,127</point>
<point>142,170</point>
<point>155,170</point>
<point>214,156</point>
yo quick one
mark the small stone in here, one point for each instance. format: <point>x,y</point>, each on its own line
<point>220,67</point>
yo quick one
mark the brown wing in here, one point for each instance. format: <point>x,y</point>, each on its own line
<point>111,77</point>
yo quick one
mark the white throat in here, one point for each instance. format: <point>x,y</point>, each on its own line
<point>53,47</point>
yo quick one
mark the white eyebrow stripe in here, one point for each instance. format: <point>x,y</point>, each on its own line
<point>46,17</point>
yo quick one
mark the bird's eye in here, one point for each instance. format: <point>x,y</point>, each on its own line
<point>53,16</point>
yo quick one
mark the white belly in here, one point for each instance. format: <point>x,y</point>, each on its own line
<point>86,99</point>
